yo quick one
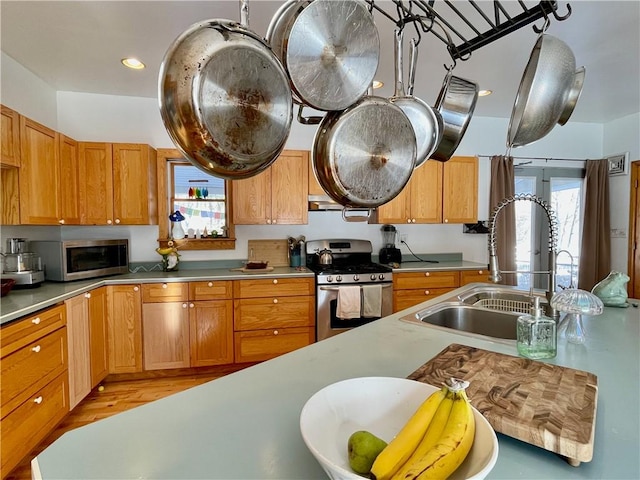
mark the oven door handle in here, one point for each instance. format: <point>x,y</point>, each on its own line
<point>335,289</point>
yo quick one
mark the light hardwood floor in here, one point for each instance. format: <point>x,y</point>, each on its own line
<point>116,397</point>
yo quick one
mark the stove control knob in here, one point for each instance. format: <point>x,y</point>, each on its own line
<point>356,278</point>
<point>339,278</point>
<point>373,277</point>
<point>381,276</point>
<point>329,278</point>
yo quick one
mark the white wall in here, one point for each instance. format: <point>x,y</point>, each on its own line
<point>91,117</point>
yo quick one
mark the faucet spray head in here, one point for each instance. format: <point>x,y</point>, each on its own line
<point>494,270</point>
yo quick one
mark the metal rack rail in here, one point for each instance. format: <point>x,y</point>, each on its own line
<point>481,26</point>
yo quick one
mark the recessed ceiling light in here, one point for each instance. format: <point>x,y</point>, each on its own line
<point>484,93</point>
<point>377,84</point>
<point>133,63</point>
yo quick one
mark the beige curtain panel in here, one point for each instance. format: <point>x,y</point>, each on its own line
<point>503,186</point>
<point>595,249</point>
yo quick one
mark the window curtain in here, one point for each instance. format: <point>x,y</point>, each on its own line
<point>595,249</point>
<point>503,186</point>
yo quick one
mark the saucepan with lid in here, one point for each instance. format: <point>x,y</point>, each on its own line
<point>225,98</point>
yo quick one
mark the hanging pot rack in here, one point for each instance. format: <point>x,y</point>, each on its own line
<point>487,29</point>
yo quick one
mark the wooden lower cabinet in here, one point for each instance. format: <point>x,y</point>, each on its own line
<point>471,276</point>
<point>412,288</point>
<point>272,317</point>
<point>211,332</point>
<point>124,328</point>
<point>98,347</point>
<point>34,387</point>
<point>78,339</point>
<point>165,328</point>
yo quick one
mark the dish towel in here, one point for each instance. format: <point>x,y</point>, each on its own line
<point>348,302</point>
<point>371,301</point>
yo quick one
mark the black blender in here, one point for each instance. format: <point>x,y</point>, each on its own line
<point>389,253</point>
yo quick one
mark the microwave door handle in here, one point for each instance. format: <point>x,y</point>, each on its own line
<point>335,289</point>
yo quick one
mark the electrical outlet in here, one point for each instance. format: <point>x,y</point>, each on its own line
<point>404,237</point>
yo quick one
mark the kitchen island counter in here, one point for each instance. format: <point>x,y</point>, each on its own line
<point>246,425</point>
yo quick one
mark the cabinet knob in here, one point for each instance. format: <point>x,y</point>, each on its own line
<point>136,288</point>
<point>210,284</point>
<point>38,400</point>
<point>446,220</point>
<point>87,295</point>
<point>413,220</point>
<point>275,300</point>
<point>117,221</point>
<point>274,221</point>
<point>427,292</point>
<point>184,305</point>
<point>275,280</point>
<point>36,349</point>
<point>408,220</point>
<point>275,332</point>
<point>426,274</point>
<point>36,321</point>
<point>268,221</point>
<point>191,305</point>
<point>61,221</point>
<point>109,222</point>
<point>480,272</point>
<point>164,285</point>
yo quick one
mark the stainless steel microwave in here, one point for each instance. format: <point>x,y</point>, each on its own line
<point>69,260</point>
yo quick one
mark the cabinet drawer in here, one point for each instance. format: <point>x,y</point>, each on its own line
<point>256,313</point>
<point>22,332</point>
<point>402,281</point>
<point>274,287</point>
<point>470,276</point>
<point>28,424</point>
<point>408,298</point>
<point>165,292</point>
<point>259,345</point>
<point>33,366</point>
<point>212,290</point>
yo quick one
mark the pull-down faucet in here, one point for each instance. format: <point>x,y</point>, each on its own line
<point>494,269</point>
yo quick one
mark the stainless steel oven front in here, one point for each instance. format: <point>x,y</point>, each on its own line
<point>329,324</point>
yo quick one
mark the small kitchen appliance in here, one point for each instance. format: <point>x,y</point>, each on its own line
<point>389,253</point>
<point>21,265</point>
<point>350,271</point>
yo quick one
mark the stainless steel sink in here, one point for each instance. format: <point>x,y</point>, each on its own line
<point>500,298</point>
<point>480,321</point>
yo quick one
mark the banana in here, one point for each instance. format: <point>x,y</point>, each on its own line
<point>452,447</point>
<point>165,251</point>
<point>431,437</point>
<point>405,442</point>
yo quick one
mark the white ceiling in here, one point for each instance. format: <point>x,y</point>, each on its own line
<point>77,46</point>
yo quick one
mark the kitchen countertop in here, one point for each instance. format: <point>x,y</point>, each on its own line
<point>24,301</point>
<point>246,425</point>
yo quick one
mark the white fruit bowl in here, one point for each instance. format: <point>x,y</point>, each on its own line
<point>380,405</point>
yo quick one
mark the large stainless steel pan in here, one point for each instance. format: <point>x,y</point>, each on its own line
<point>543,91</point>
<point>456,103</point>
<point>330,49</point>
<point>364,156</point>
<point>225,98</point>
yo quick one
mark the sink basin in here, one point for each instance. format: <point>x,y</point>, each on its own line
<point>466,318</point>
<point>500,298</point>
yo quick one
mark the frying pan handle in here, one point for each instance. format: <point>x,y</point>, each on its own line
<point>399,84</point>
<point>355,218</point>
<point>307,120</point>
<point>413,62</point>
<point>244,13</point>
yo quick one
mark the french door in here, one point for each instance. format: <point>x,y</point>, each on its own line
<point>562,189</point>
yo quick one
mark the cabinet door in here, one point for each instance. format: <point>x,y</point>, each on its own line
<point>165,292</point>
<point>10,196</point>
<point>211,332</point>
<point>460,190</point>
<point>426,193</point>
<point>165,328</point>
<point>98,335</point>
<point>260,345</point>
<point>289,188</point>
<point>135,196</point>
<point>10,140</point>
<point>124,328</point>
<point>96,183</point>
<point>398,210</point>
<point>69,190</point>
<point>251,199</point>
<point>78,348</point>
<point>39,174</point>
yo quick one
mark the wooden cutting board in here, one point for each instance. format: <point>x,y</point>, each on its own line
<point>276,252</point>
<point>546,405</point>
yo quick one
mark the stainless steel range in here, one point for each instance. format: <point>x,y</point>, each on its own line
<point>351,290</point>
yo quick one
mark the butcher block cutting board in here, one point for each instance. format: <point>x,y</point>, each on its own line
<point>276,252</point>
<point>545,405</point>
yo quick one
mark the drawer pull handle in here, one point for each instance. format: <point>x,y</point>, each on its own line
<point>210,284</point>
<point>275,281</point>
<point>427,292</point>
<point>38,400</point>
<point>275,300</point>
<point>36,321</point>
<point>426,274</point>
<point>36,349</point>
<point>275,332</point>
<point>164,285</point>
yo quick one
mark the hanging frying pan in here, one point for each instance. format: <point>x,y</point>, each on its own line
<point>421,116</point>
<point>225,98</point>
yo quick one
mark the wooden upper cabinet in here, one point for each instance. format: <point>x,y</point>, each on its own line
<point>276,196</point>
<point>118,184</point>
<point>460,190</point>
<point>10,140</point>
<point>39,174</point>
<point>69,188</point>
